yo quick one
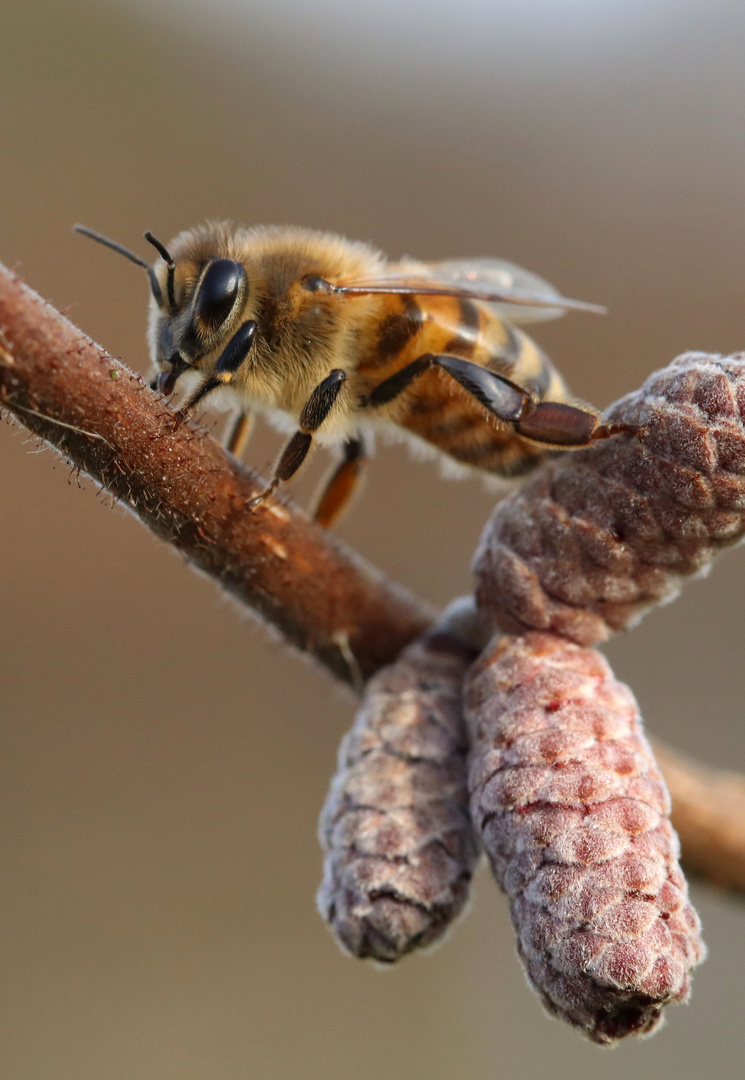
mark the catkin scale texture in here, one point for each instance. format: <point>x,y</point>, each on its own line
<point>600,536</point>
<point>573,814</point>
<point>399,843</point>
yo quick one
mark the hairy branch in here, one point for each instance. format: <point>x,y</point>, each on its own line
<point>323,598</point>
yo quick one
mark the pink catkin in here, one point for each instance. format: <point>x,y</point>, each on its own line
<point>572,811</point>
<point>399,843</point>
<point>600,536</point>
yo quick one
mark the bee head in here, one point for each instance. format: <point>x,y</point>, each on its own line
<point>199,296</point>
<point>198,293</point>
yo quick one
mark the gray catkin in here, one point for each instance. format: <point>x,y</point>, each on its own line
<point>573,814</point>
<point>399,846</point>
<point>599,537</point>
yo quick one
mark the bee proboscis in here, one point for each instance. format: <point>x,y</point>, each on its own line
<point>328,333</point>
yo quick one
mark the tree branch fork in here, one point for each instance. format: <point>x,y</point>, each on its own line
<point>322,597</point>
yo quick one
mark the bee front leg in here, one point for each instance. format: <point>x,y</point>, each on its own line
<point>233,357</point>
<point>316,410</point>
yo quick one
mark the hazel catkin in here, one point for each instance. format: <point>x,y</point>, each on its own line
<point>399,845</point>
<point>600,536</point>
<point>573,814</point>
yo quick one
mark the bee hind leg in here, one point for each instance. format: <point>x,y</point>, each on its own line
<point>342,484</point>
<point>316,410</point>
<point>553,423</point>
<point>570,426</point>
<point>503,398</point>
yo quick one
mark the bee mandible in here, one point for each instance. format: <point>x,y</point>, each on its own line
<point>325,331</point>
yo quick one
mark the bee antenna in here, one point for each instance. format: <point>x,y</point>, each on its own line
<point>101,239</point>
<point>166,257</point>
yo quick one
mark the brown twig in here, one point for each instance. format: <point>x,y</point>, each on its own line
<point>322,598</point>
<point>709,816</point>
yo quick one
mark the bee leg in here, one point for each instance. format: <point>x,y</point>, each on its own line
<point>501,397</point>
<point>552,422</point>
<point>233,356</point>
<point>342,484</point>
<point>239,433</point>
<point>316,409</point>
<point>165,381</point>
<point>569,426</point>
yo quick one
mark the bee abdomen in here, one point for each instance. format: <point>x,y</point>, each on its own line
<point>459,427</point>
<point>520,359</point>
<point>434,407</point>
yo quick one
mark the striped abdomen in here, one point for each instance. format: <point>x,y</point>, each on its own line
<point>436,408</point>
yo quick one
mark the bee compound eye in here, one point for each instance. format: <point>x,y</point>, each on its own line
<point>218,292</point>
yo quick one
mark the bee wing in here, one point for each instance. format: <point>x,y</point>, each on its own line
<point>500,276</point>
<point>514,294</point>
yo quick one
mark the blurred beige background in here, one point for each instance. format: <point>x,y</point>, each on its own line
<point>163,761</point>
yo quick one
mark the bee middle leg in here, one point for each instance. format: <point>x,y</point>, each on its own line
<point>240,432</point>
<point>554,423</point>
<point>342,483</point>
<point>316,410</point>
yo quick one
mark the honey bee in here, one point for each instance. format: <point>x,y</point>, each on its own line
<point>327,333</point>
